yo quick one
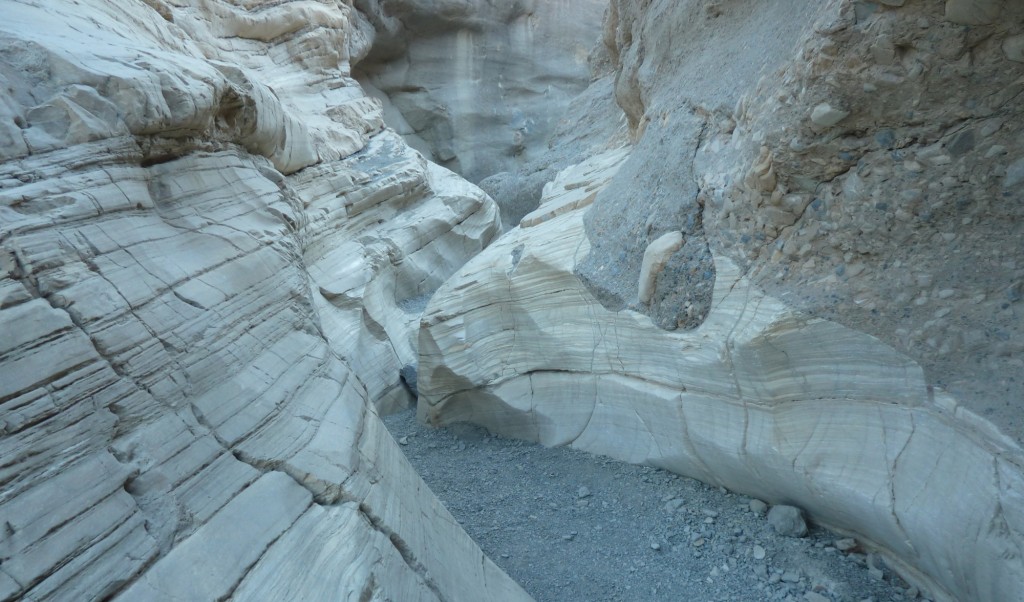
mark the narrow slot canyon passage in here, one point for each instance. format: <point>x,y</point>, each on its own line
<point>570,526</point>
<point>675,283</point>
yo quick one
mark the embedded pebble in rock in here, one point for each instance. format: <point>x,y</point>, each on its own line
<point>1014,48</point>
<point>787,521</point>
<point>825,115</point>
<point>623,546</point>
<point>973,12</point>
<point>1014,174</point>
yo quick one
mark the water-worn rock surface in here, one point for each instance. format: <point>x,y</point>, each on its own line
<point>778,251</point>
<point>761,398</point>
<point>479,85</point>
<point>667,323</point>
<point>207,241</point>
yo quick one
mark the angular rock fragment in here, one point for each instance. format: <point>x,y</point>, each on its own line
<point>787,521</point>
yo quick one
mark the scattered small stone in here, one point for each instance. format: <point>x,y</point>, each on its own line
<point>404,441</point>
<point>787,521</point>
<point>734,548</point>
<point>815,597</point>
<point>673,505</point>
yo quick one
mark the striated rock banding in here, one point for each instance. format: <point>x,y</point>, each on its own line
<point>212,257</point>
<point>760,398</point>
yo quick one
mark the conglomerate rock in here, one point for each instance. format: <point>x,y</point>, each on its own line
<point>803,283</point>
<point>761,398</point>
<point>212,259</point>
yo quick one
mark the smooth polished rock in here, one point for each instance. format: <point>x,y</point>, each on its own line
<point>212,262</point>
<point>479,85</point>
<point>761,398</point>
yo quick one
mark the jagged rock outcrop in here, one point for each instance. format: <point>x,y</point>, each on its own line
<point>479,85</point>
<point>801,284</point>
<point>212,261</point>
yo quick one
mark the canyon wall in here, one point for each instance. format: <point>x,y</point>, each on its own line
<point>781,254</point>
<point>800,281</point>
<point>479,86</point>
<point>212,261</point>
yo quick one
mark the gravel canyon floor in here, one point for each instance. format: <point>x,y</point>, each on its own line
<point>571,526</point>
<point>771,246</point>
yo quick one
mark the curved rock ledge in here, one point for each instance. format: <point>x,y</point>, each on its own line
<point>760,398</point>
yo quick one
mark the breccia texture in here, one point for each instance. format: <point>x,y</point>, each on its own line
<point>800,281</point>
<point>212,261</point>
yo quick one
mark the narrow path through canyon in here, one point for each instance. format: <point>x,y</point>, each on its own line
<point>570,526</point>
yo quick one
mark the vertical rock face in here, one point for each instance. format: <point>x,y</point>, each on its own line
<point>479,85</point>
<point>212,259</point>
<point>835,328</point>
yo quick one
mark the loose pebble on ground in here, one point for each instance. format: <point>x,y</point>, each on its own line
<point>570,526</point>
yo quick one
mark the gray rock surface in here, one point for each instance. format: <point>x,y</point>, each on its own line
<point>479,85</point>
<point>883,240</point>
<point>898,220</point>
<point>787,521</point>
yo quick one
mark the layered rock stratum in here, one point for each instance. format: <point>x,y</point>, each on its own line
<point>213,260</point>
<point>785,259</point>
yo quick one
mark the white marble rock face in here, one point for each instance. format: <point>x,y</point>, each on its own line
<point>761,398</point>
<point>479,85</point>
<point>212,256</point>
